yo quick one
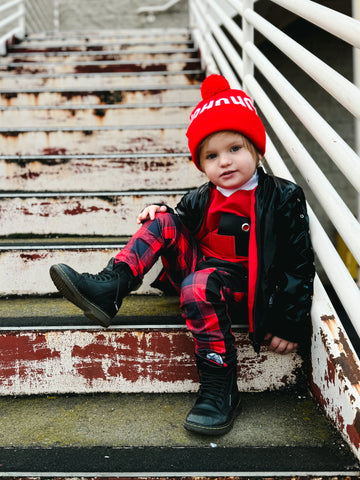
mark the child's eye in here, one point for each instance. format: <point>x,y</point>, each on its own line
<point>235,148</point>
<point>211,156</point>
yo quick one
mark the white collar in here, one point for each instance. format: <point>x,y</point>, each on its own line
<point>249,185</point>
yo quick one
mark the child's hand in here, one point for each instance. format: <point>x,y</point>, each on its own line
<point>149,212</point>
<point>279,345</point>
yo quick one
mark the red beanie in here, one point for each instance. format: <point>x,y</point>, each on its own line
<point>221,109</point>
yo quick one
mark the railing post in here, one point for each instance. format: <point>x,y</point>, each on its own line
<point>356,70</point>
<point>22,20</point>
<point>248,37</point>
<point>56,15</point>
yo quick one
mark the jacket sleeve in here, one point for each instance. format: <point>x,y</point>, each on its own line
<point>192,206</point>
<point>294,286</point>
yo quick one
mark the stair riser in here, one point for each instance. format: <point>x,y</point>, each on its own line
<point>96,174</point>
<point>97,38</point>
<point>99,81</point>
<point>160,65</point>
<point>99,117</point>
<point>37,48</point>
<point>93,141</point>
<point>26,272</point>
<point>99,96</point>
<point>127,361</point>
<point>105,216</point>
<point>69,57</point>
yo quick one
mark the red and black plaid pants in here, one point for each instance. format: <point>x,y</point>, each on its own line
<point>207,292</point>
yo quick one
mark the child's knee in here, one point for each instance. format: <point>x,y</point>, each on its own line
<point>163,223</point>
<point>192,290</point>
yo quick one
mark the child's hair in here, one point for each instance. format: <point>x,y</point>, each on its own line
<point>256,154</point>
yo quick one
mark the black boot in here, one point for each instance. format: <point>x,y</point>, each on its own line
<point>99,296</point>
<point>218,399</point>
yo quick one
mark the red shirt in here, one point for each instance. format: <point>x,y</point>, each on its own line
<point>226,227</point>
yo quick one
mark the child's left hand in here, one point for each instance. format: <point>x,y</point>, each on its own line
<point>279,345</point>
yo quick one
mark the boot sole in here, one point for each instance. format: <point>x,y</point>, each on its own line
<point>221,430</point>
<point>71,293</point>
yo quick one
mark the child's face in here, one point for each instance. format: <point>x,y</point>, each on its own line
<point>226,161</point>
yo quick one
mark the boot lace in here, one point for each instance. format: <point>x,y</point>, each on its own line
<point>105,275</point>
<point>102,276</point>
<point>212,387</point>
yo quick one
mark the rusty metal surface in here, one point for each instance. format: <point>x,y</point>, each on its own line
<point>25,271</point>
<point>95,140</point>
<point>335,375</point>
<point>61,173</point>
<point>93,214</point>
<point>98,116</point>
<point>95,56</point>
<point>94,45</point>
<point>126,361</point>
<point>98,96</point>
<point>146,65</point>
<point>101,81</point>
<point>108,37</point>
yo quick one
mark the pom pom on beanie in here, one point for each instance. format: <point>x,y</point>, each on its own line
<point>223,108</point>
<point>213,85</point>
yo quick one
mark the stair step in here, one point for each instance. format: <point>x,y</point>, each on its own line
<point>98,80</point>
<point>99,95</point>
<point>85,58</point>
<point>94,45</point>
<point>148,349</point>
<point>101,55</point>
<point>111,213</point>
<point>94,140</point>
<point>92,66</point>
<point>104,115</point>
<point>104,36</point>
<point>281,435</point>
<point>91,173</point>
<point>25,263</point>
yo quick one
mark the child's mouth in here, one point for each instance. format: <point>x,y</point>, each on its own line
<point>227,174</point>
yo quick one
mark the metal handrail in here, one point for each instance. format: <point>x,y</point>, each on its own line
<point>15,21</point>
<point>157,8</point>
<point>239,69</point>
<point>340,25</point>
<point>27,15</point>
<point>338,86</point>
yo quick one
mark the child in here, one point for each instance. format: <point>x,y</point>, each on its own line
<point>243,236</point>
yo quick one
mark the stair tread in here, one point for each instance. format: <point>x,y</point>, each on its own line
<point>275,432</point>
<point>47,312</point>
<point>39,47</point>
<point>119,58</point>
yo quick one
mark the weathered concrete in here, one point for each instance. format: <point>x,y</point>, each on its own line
<point>146,94</point>
<point>89,173</point>
<point>143,434</point>
<point>88,214</point>
<point>25,271</point>
<point>93,140</point>
<point>47,346</point>
<point>156,420</point>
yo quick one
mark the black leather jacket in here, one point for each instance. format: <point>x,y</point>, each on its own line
<point>283,270</point>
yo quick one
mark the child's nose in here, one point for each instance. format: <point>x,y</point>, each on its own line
<point>225,159</point>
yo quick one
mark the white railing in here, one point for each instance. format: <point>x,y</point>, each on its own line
<point>19,17</point>
<point>238,59</point>
<point>42,15</point>
<point>12,22</point>
<point>150,11</point>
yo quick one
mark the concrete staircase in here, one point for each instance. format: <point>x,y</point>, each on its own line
<point>92,128</point>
